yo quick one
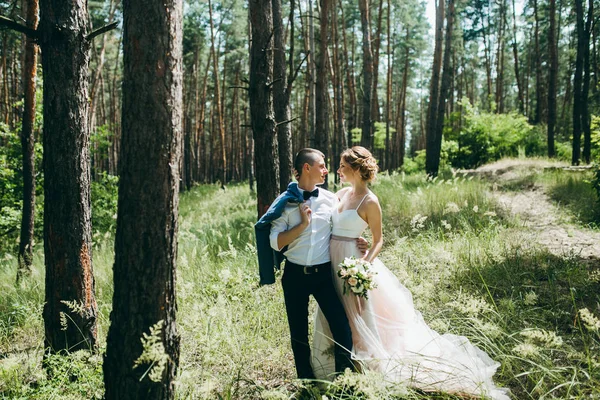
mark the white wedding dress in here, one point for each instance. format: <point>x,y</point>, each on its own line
<point>389,336</point>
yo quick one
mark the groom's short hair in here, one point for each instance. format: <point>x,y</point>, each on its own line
<point>304,156</point>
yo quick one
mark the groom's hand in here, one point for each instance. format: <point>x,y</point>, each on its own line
<point>362,245</point>
<point>305,214</point>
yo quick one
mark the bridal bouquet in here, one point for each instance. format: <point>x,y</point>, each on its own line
<point>357,275</point>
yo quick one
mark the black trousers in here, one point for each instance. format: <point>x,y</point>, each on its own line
<point>297,287</point>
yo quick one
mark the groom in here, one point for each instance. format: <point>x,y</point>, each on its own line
<point>301,221</point>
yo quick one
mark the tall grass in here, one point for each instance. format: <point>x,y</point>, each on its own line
<point>471,271</point>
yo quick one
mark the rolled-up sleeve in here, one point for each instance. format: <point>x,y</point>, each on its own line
<point>278,226</point>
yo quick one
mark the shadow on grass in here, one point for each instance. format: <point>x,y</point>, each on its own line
<point>578,196</point>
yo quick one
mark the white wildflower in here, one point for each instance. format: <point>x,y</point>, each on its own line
<point>225,275</point>
<point>446,225</point>
<point>466,203</point>
<point>595,276</point>
<point>589,320</point>
<point>470,305</point>
<point>542,337</point>
<point>451,207</point>
<point>489,214</point>
<point>418,222</point>
<point>475,208</point>
<point>526,350</point>
<point>530,298</point>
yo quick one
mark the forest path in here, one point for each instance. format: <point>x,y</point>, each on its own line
<point>550,225</point>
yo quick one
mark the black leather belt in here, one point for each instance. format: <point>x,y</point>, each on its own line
<point>309,269</point>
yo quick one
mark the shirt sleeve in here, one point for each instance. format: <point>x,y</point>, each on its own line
<point>278,226</point>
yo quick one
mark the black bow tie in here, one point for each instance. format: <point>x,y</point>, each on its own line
<point>307,195</point>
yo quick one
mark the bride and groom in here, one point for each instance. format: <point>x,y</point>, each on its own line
<point>317,230</point>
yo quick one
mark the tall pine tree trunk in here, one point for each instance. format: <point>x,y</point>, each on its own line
<point>28,144</point>
<point>432,156</point>
<point>577,83</point>
<point>585,91</point>
<point>144,298</point>
<point>261,104</point>
<point>322,92</point>
<point>67,210</point>
<point>444,92</point>
<point>552,78</point>
<point>281,97</point>
<point>367,138</point>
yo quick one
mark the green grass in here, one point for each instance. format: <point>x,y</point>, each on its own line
<point>471,273</point>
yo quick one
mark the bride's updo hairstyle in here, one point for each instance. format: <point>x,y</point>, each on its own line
<point>361,160</point>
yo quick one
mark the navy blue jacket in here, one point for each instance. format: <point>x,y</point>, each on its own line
<point>269,259</point>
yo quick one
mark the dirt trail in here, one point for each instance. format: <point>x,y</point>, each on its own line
<point>550,225</point>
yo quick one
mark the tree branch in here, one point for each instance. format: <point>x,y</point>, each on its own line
<point>101,30</point>
<point>10,24</point>
<point>285,122</point>
<point>293,78</point>
<point>270,85</point>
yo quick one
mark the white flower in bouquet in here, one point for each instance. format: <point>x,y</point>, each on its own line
<point>353,271</point>
<point>352,281</point>
<point>357,289</point>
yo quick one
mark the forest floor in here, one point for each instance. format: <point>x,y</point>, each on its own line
<point>549,224</point>
<point>506,255</point>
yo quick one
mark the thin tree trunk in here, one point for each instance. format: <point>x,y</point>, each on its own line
<point>367,137</point>
<point>322,92</point>
<point>585,91</point>
<point>375,114</point>
<point>552,77</point>
<point>538,66</point>
<point>432,155</point>
<point>67,211</point>
<point>144,300</point>
<point>578,82</point>
<point>516,62</point>
<point>281,97</point>
<point>352,121</point>
<point>444,90</point>
<point>28,144</point>
<point>218,103</point>
<point>388,100</point>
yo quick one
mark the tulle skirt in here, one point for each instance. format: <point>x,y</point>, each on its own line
<point>389,336</point>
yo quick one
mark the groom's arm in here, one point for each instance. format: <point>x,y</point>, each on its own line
<point>281,235</point>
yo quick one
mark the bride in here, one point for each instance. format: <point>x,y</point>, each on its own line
<point>389,336</point>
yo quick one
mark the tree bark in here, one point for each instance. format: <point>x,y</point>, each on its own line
<point>585,91</point>
<point>146,238</point>
<point>281,97</point>
<point>28,145</point>
<point>552,77</point>
<point>577,83</point>
<point>432,156</point>
<point>516,62</point>
<point>322,92</point>
<point>367,137</point>
<point>67,209</point>
<point>261,104</point>
<point>444,92</point>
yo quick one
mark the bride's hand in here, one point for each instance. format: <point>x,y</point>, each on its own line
<point>362,245</point>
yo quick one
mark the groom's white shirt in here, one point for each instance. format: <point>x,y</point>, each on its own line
<point>312,246</point>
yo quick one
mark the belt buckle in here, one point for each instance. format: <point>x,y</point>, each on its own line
<point>308,270</point>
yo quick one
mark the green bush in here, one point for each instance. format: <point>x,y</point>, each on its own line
<point>487,137</point>
<point>104,203</point>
